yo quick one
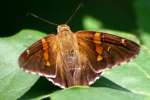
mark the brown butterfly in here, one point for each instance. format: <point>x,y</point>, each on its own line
<point>69,59</point>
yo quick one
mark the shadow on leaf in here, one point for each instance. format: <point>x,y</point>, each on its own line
<point>104,82</point>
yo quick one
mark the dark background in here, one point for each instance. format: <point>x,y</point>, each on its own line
<point>114,14</point>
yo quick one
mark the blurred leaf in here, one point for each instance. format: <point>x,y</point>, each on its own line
<point>143,15</point>
<point>91,23</point>
<point>14,82</point>
<point>143,20</point>
<point>145,39</point>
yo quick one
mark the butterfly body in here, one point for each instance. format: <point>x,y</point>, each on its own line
<point>68,55</point>
<point>69,59</point>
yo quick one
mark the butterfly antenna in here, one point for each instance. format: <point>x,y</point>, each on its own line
<point>42,19</point>
<point>76,10</point>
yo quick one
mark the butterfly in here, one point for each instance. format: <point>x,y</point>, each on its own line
<point>76,58</point>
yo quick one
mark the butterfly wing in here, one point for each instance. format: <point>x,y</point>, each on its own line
<point>102,50</point>
<point>40,57</point>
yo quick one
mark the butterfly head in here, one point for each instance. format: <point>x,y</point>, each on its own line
<point>63,30</point>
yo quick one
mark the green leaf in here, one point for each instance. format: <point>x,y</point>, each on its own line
<point>84,93</point>
<point>14,82</point>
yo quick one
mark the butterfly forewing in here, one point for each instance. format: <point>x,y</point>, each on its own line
<point>104,50</point>
<point>117,50</point>
<point>33,59</point>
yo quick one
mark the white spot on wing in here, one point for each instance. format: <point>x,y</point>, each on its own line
<point>123,41</point>
<point>28,52</point>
